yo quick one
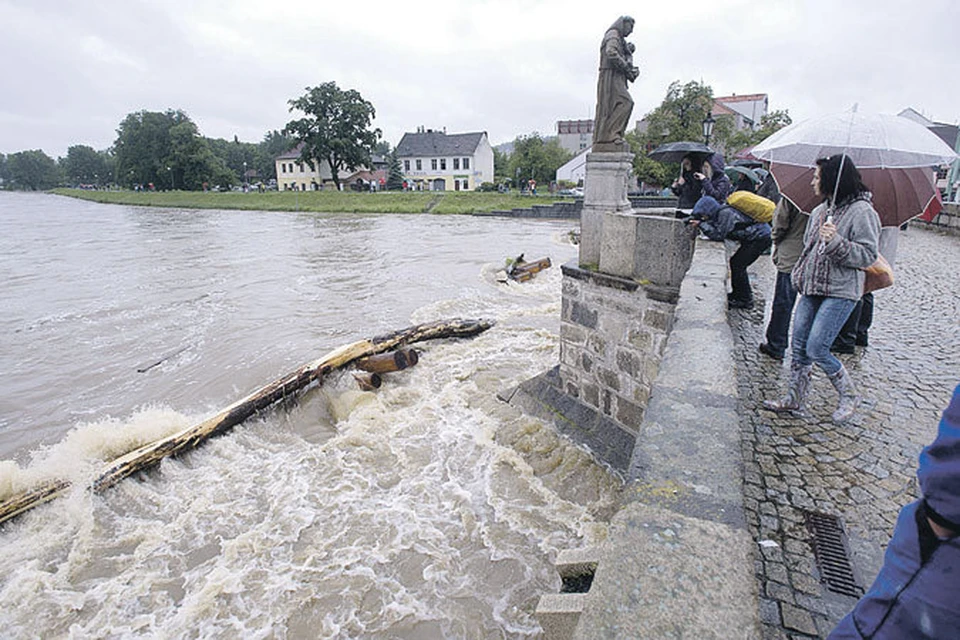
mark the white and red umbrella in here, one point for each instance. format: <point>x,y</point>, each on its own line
<point>896,157</point>
<point>898,194</point>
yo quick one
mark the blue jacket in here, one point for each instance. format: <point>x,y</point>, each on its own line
<point>917,592</point>
<point>720,221</point>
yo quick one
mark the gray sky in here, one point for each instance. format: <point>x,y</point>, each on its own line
<point>74,69</point>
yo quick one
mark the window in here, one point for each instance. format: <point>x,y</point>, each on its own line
<point>406,165</point>
<point>419,164</point>
<point>301,167</point>
<point>456,163</point>
<point>433,163</point>
<point>443,164</point>
<point>283,167</point>
<point>466,163</point>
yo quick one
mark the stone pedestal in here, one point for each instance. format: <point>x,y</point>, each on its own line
<point>655,249</point>
<point>605,191</point>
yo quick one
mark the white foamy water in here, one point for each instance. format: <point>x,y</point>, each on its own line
<point>425,509</point>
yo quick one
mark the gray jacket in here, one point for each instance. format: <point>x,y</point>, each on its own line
<point>788,225</point>
<point>836,269</point>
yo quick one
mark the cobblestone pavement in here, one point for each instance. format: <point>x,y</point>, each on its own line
<point>862,472</point>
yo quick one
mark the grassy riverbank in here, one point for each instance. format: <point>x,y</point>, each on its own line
<point>447,202</point>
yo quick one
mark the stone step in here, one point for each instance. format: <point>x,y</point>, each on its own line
<point>559,613</point>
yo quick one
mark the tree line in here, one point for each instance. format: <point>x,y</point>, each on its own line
<point>332,127</point>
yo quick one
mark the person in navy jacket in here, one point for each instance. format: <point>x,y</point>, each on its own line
<point>917,592</point>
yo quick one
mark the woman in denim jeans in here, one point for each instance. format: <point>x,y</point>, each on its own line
<point>840,241</point>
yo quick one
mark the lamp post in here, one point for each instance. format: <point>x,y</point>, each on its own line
<point>244,175</point>
<point>170,172</point>
<point>708,128</point>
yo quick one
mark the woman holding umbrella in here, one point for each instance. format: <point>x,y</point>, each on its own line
<point>840,240</point>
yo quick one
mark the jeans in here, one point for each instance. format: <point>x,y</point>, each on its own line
<point>745,256</point>
<point>784,297</point>
<point>815,325</point>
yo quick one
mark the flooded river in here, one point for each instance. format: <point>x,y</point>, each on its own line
<point>425,509</point>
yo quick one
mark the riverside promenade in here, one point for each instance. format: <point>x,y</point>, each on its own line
<point>863,472</point>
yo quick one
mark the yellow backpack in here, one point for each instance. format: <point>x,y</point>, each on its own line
<point>757,207</point>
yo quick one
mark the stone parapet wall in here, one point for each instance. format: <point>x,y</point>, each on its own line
<point>613,333</point>
<point>947,220</point>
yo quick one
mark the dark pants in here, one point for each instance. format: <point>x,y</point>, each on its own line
<point>778,331</point>
<point>745,256</point>
<point>855,329</point>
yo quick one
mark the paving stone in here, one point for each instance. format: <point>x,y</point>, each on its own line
<point>864,471</point>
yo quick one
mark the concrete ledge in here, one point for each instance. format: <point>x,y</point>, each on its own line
<point>666,575</point>
<point>558,614</point>
<point>678,561</point>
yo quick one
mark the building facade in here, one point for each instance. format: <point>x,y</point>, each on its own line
<point>747,110</point>
<point>436,161</point>
<point>575,135</point>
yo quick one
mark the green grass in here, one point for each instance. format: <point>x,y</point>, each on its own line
<point>448,202</point>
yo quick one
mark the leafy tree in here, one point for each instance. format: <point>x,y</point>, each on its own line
<point>645,169</point>
<point>394,173</point>
<point>167,150</point>
<point>335,128</point>
<point>3,171</point>
<point>534,157</point>
<point>32,170</point>
<point>680,116</point>
<point>83,164</point>
<point>382,148</point>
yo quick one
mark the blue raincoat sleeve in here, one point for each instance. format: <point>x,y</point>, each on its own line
<point>917,592</point>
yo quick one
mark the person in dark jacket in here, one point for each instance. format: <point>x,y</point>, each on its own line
<point>713,179</point>
<point>687,188</point>
<point>917,592</point>
<point>723,222</point>
<point>787,229</point>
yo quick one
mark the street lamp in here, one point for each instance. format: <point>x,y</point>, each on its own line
<point>244,175</point>
<point>170,171</point>
<point>708,128</point>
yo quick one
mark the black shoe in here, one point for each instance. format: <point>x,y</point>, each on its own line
<point>861,341</point>
<point>765,348</point>
<point>735,303</point>
<point>842,348</point>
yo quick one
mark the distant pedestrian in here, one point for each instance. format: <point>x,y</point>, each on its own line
<point>839,242</point>
<point>917,592</point>
<point>788,225</point>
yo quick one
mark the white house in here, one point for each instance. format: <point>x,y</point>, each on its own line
<point>747,109</point>
<point>437,161</point>
<point>293,175</point>
<point>576,169</point>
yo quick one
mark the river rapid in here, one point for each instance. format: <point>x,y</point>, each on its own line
<point>424,509</point>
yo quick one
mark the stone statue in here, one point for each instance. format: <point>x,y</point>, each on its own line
<point>614,103</point>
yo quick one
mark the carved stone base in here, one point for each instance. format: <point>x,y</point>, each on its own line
<point>605,191</point>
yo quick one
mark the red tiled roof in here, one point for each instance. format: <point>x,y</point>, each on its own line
<point>744,98</point>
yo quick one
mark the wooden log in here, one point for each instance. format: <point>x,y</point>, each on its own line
<point>149,455</point>
<point>383,362</point>
<point>368,381</point>
<point>525,270</point>
<point>412,357</point>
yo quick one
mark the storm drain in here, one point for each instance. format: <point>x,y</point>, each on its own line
<point>830,550</point>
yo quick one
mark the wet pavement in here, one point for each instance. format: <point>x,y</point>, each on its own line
<point>862,472</point>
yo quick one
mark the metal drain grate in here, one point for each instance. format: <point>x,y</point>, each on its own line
<point>830,550</point>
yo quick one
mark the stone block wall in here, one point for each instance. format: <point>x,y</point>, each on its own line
<point>613,334</point>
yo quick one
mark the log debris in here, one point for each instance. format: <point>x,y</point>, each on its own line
<point>150,455</point>
<point>521,271</point>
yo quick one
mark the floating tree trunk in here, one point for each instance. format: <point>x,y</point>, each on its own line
<point>522,271</point>
<point>187,439</point>
<point>368,381</point>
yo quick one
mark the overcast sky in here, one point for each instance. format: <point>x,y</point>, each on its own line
<point>73,70</point>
